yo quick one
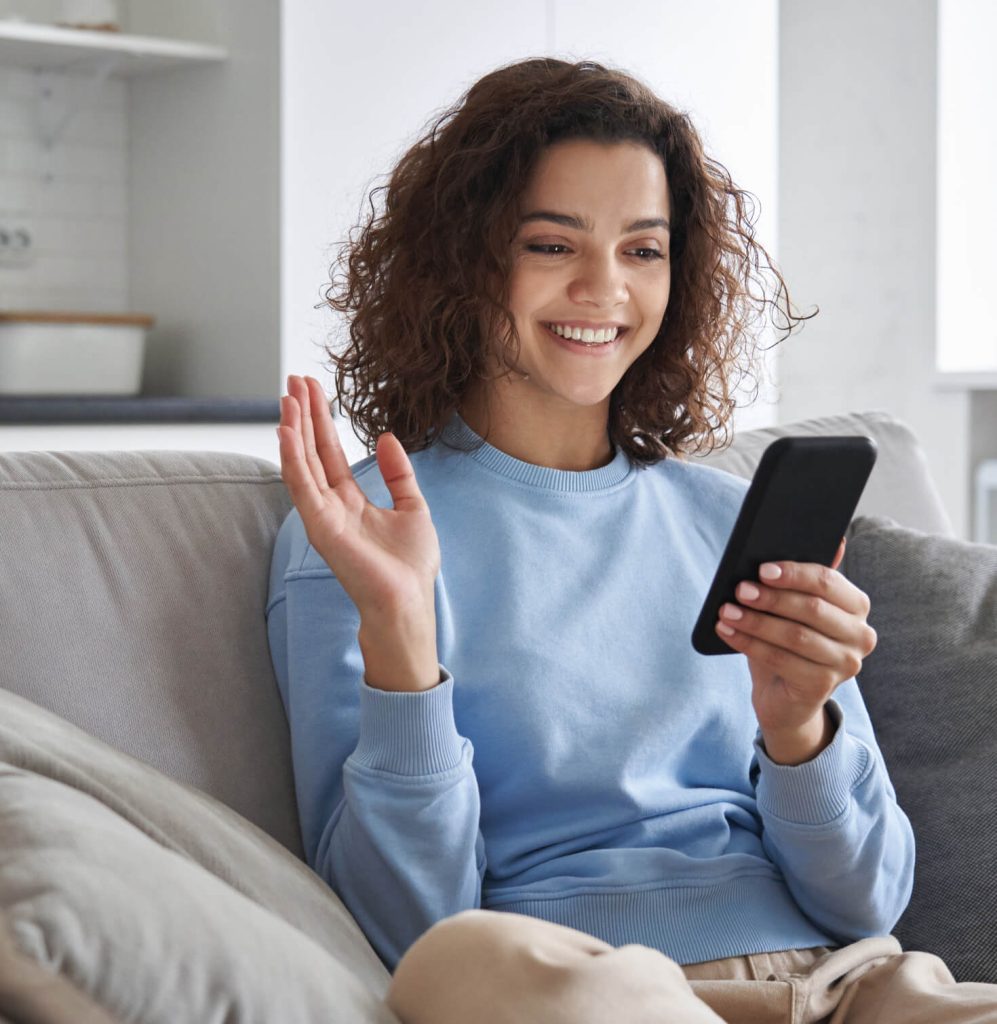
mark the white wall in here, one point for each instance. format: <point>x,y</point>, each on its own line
<point>341,135</point>
<point>967,168</point>
<point>70,198</point>
<point>205,201</point>
<point>857,232</point>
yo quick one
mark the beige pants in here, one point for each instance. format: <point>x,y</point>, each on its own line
<point>489,967</point>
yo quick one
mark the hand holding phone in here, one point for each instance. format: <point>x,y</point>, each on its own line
<point>801,499</point>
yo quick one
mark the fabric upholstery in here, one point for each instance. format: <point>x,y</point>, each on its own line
<point>31,993</point>
<point>151,568</point>
<point>931,690</point>
<point>900,485</point>
<point>158,902</point>
<point>131,604</point>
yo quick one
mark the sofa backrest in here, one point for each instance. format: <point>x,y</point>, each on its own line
<point>131,604</point>
<point>134,586</point>
<point>900,486</point>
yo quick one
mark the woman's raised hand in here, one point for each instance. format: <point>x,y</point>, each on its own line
<point>386,559</point>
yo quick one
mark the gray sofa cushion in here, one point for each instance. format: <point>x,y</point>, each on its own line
<point>160,903</point>
<point>900,486</point>
<point>149,571</point>
<point>931,690</point>
<point>131,604</point>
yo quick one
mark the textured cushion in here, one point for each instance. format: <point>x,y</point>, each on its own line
<point>32,994</point>
<point>158,902</point>
<point>131,604</point>
<point>931,690</point>
<point>900,485</point>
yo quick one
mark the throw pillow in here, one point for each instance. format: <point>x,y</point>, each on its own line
<point>157,901</point>
<point>30,993</point>
<point>931,690</point>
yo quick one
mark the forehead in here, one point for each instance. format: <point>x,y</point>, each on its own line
<point>609,176</point>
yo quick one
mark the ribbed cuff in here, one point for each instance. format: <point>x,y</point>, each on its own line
<point>409,733</point>
<point>817,791</point>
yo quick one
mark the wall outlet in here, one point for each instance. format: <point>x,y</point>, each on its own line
<point>15,247</point>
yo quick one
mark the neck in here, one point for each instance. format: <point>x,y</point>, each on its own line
<point>572,439</point>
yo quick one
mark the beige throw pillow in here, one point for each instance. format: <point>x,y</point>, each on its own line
<point>159,902</point>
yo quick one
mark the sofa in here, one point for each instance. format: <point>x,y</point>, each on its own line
<point>150,858</point>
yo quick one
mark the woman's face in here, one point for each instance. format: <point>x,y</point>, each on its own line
<point>591,250</point>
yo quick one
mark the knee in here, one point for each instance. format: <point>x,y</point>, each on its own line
<point>427,982</point>
<point>493,967</point>
<point>467,966</point>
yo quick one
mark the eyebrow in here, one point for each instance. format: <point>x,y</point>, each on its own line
<point>583,224</point>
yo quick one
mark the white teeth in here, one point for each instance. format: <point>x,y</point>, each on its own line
<point>586,334</point>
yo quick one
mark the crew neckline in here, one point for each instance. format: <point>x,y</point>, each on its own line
<point>545,478</point>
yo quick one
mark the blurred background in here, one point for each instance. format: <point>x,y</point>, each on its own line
<point>176,178</point>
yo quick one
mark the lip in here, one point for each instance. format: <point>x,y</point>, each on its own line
<point>587,350</point>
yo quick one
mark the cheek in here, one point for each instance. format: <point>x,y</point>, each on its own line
<point>663,297</point>
<point>524,282</point>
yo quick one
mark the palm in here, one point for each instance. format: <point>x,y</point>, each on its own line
<point>773,697</point>
<point>380,555</point>
<point>385,558</point>
<point>779,702</point>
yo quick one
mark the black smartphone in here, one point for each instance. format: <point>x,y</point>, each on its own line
<point>801,499</point>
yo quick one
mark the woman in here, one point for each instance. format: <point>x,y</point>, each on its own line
<point>538,801</point>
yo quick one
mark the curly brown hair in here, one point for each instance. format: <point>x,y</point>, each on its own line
<point>420,287</point>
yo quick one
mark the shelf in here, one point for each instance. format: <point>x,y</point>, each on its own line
<point>140,409</point>
<point>50,48</point>
<point>978,380</point>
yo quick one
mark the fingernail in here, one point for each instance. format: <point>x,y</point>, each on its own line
<point>770,571</point>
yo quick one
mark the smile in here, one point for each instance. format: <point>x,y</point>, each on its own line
<point>592,348</point>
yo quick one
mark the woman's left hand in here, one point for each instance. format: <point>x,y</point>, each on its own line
<point>804,634</point>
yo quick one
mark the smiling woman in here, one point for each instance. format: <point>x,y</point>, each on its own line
<point>539,802</point>
<point>575,277</point>
<point>566,193</point>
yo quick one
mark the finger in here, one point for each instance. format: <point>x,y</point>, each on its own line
<point>301,393</point>
<point>807,609</point>
<point>802,668</point>
<point>397,473</point>
<point>813,645</point>
<point>294,469</point>
<point>327,444</point>
<point>840,554</point>
<point>822,580</point>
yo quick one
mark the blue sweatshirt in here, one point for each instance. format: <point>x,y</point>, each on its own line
<point>580,762</point>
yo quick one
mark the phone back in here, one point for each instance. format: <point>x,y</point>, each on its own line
<point>801,499</point>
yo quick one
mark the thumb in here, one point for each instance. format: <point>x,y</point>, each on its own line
<point>397,473</point>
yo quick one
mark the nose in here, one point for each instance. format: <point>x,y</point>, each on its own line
<point>600,280</point>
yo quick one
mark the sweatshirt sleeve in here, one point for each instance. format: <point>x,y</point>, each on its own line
<point>834,828</point>
<point>385,787</point>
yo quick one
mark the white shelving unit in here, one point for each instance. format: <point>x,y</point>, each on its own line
<point>50,48</point>
<point>203,148</point>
